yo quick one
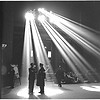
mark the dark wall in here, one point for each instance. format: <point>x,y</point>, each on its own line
<point>7,38</point>
<point>18,50</point>
<point>7,32</point>
<point>1,23</point>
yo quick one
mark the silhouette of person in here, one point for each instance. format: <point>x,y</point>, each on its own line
<point>59,75</point>
<point>31,78</point>
<point>41,75</point>
<point>12,74</point>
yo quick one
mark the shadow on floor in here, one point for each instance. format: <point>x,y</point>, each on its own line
<point>32,96</point>
<point>62,88</point>
<point>5,90</point>
<point>43,96</point>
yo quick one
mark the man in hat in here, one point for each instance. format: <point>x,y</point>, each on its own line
<point>32,71</point>
<point>41,78</point>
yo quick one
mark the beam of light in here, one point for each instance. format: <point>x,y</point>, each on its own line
<point>26,51</point>
<point>82,30</point>
<point>74,30</point>
<point>91,88</point>
<point>52,18</point>
<point>80,38</point>
<point>83,44</point>
<point>70,51</point>
<point>41,17</point>
<point>43,51</point>
<point>75,38</point>
<point>54,38</point>
<point>73,54</point>
<point>86,44</point>
<point>79,24</point>
<point>39,48</point>
<point>45,57</point>
<point>76,61</point>
<point>83,41</point>
<point>41,9</point>
<point>29,15</point>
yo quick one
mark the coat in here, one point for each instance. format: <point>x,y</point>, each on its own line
<point>41,75</point>
<point>60,74</point>
<point>32,74</point>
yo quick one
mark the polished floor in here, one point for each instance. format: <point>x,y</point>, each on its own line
<point>52,91</point>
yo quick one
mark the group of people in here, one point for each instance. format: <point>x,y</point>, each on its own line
<point>41,75</point>
<point>65,77</point>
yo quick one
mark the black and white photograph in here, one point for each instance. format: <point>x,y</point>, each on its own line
<point>50,49</point>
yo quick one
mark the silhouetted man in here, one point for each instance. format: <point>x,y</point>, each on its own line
<point>12,74</point>
<point>32,71</point>
<point>40,78</point>
<point>59,76</point>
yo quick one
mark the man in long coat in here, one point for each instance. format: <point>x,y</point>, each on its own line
<point>12,73</point>
<point>32,71</point>
<point>41,78</point>
<point>59,75</point>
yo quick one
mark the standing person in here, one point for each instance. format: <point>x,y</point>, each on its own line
<point>12,74</point>
<point>31,78</point>
<point>41,78</point>
<point>16,71</point>
<point>59,75</point>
